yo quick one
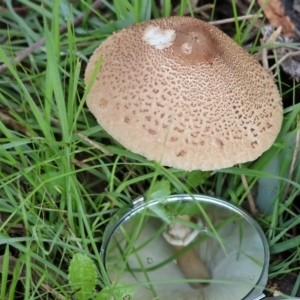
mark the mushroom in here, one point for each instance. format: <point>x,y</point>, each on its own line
<point>180,236</point>
<point>181,92</point>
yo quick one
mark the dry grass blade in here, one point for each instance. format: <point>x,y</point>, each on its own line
<point>231,20</point>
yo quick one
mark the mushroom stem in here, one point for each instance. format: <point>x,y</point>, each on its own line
<point>180,236</point>
<point>192,266</point>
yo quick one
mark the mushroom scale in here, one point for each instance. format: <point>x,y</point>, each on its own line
<point>181,92</point>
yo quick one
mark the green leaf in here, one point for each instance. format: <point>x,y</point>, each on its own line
<point>190,208</point>
<point>82,276</point>
<point>160,191</point>
<point>119,292</point>
<point>196,178</point>
<point>161,212</point>
<point>286,245</point>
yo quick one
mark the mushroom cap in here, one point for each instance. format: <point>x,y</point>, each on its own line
<point>181,92</point>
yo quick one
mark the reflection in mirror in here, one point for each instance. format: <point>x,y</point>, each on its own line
<point>193,249</point>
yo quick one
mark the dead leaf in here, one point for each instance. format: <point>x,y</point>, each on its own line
<point>288,56</point>
<point>280,13</point>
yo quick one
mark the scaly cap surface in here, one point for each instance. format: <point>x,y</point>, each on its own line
<point>181,92</point>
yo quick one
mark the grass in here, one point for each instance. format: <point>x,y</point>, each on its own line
<point>58,191</point>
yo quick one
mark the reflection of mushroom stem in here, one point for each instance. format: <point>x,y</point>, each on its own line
<point>180,236</point>
<point>192,266</point>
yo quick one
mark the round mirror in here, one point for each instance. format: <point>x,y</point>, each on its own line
<point>191,246</point>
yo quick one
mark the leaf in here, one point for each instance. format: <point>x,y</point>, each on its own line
<point>196,178</point>
<point>82,276</point>
<point>161,212</point>
<point>119,292</point>
<point>190,208</point>
<point>160,191</point>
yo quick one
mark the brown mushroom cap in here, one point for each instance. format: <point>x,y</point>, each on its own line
<point>181,92</point>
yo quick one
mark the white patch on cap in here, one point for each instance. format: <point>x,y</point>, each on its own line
<point>159,38</point>
<point>186,48</point>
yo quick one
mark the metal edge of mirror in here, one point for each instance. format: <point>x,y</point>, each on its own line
<point>139,204</point>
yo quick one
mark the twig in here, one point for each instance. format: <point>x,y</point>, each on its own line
<point>95,145</point>
<point>196,9</point>
<point>283,58</point>
<point>21,8</point>
<point>19,127</point>
<point>23,54</point>
<point>52,291</point>
<point>230,20</point>
<point>264,56</point>
<point>86,139</point>
<point>202,8</point>
<point>253,209</point>
<point>263,53</point>
<point>16,125</point>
